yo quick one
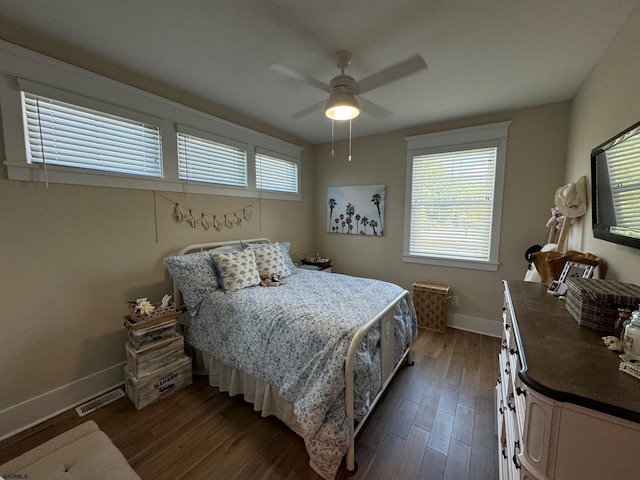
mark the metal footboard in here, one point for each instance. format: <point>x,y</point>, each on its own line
<point>388,368</point>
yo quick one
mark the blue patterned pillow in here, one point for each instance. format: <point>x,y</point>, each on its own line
<point>285,246</point>
<point>270,259</point>
<point>195,276</point>
<point>236,269</point>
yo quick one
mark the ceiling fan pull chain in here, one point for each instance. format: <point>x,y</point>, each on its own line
<point>332,127</point>
<point>349,139</point>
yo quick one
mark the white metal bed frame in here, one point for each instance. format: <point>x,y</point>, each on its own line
<point>387,347</point>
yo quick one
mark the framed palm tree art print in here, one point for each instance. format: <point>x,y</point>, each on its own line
<point>356,210</point>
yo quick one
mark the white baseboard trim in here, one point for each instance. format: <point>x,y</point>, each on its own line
<point>26,414</point>
<point>483,326</point>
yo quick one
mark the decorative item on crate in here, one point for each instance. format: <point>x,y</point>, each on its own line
<point>142,309</point>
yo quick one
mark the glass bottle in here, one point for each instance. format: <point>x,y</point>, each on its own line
<point>621,322</point>
<point>632,335</point>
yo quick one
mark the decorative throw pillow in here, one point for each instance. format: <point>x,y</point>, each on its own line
<point>270,259</point>
<point>195,276</point>
<point>285,246</point>
<point>236,269</point>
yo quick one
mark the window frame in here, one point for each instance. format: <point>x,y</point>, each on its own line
<point>211,137</point>
<point>64,82</point>
<point>278,157</point>
<point>96,109</point>
<point>462,139</point>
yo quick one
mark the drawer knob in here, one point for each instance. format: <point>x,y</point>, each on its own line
<point>521,391</point>
<point>513,351</point>
<point>516,447</point>
<point>515,461</point>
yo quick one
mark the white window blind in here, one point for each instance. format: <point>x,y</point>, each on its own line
<point>624,175</point>
<point>204,160</point>
<point>276,174</point>
<point>59,133</point>
<point>451,204</point>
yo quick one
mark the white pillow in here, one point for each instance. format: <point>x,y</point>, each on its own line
<point>236,269</point>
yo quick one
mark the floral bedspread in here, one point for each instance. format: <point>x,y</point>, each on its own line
<point>296,338</point>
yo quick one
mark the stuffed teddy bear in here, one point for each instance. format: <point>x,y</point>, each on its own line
<point>269,280</point>
<point>556,220</point>
<point>613,343</point>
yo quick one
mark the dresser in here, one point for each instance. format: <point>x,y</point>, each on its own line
<point>564,409</point>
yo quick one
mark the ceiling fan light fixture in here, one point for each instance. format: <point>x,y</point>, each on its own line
<point>342,106</point>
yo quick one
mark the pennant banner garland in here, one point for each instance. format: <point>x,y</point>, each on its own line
<point>208,220</point>
<point>215,220</point>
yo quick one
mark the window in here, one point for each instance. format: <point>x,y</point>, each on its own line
<point>59,133</point>
<point>204,160</point>
<point>276,174</point>
<point>454,197</point>
<point>624,178</point>
<point>62,124</point>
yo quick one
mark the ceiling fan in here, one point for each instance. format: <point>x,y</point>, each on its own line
<point>345,99</point>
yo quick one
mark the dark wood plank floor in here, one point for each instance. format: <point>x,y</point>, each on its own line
<point>436,421</point>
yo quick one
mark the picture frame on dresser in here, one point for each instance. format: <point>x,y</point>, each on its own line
<point>575,270</point>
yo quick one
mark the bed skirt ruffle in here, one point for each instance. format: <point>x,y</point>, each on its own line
<point>264,397</point>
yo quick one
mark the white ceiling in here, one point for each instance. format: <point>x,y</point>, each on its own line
<point>483,55</point>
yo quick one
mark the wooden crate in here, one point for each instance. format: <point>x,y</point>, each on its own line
<point>153,356</point>
<point>432,305</point>
<point>148,332</point>
<point>146,389</point>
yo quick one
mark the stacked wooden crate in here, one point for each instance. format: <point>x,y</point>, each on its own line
<point>156,363</point>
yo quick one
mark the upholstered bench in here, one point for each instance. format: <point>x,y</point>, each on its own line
<point>84,452</point>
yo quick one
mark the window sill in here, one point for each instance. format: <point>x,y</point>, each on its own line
<point>468,264</point>
<point>58,174</point>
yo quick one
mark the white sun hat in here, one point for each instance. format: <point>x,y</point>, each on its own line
<point>571,199</point>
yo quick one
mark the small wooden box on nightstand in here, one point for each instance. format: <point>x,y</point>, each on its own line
<point>432,305</point>
<point>324,266</point>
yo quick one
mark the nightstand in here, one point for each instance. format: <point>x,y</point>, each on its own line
<point>324,266</point>
<point>156,363</point>
<point>316,268</point>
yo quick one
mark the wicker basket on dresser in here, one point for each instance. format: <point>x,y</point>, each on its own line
<point>156,362</point>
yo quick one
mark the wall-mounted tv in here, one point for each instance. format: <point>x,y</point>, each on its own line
<point>615,188</point>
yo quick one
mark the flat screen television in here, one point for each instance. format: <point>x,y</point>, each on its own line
<point>615,188</point>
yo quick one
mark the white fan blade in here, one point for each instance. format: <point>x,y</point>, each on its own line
<point>291,73</point>
<point>391,74</point>
<point>373,109</point>
<point>309,109</point>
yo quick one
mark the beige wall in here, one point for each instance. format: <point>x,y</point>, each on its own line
<point>72,256</point>
<point>607,103</point>
<point>534,169</point>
